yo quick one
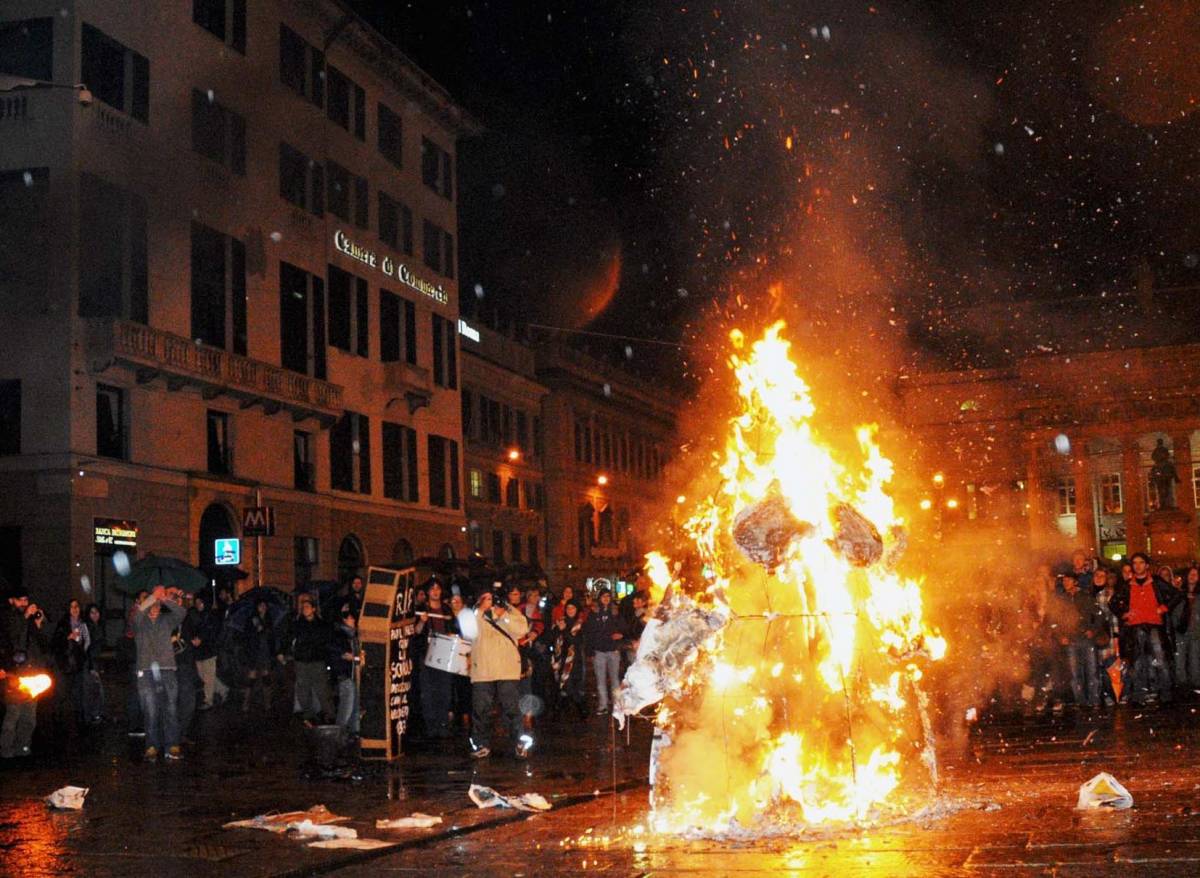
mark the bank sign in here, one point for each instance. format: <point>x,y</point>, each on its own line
<point>390,267</point>
<point>113,534</point>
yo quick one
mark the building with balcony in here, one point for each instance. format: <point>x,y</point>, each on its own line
<point>227,280</point>
<point>502,429</point>
<point>608,436</point>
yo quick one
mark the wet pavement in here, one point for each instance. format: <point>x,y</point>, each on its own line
<point>1006,807</point>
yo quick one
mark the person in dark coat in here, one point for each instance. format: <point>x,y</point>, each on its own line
<point>93,700</point>
<point>1142,603</point>
<point>603,632</point>
<point>24,648</point>
<point>437,686</point>
<point>564,646</point>
<point>311,642</point>
<point>261,654</point>
<point>187,677</point>
<point>344,660</point>
<point>70,644</point>
<point>202,629</point>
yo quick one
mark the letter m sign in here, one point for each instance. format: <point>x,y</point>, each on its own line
<point>258,521</point>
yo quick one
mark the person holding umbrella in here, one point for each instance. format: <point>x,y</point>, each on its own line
<point>158,689</point>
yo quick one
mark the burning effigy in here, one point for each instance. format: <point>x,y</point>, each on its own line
<point>787,678</point>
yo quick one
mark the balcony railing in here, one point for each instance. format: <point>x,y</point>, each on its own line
<point>154,353</point>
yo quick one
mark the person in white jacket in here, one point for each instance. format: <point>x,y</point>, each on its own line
<point>496,673</point>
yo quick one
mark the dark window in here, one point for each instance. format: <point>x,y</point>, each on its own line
<point>360,113</point>
<point>400,478</point>
<point>468,414</point>
<point>218,289</point>
<point>113,274</point>
<point>305,551</point>
<point>493,488</point>
<point>220,454</point>
<point>210,15</point>
<point>437,470</point>
<point>397,328</point>
<point>350,453</point>
<point>497,547</point>
<point>437,170</point>
<point>533,551</point>
<point>338,190</point>
<point>27,48</point>
<point>301,321</point>
<point>304,474</point>
<point>26,230</point>
<point>226,22</point>
<point>522,438</point>
<point>512,493</point>
<point>362,203</point>
<point>455,487</point>
<point>391,136</point>
<point>105,71</point>
<point>348,320</point>
<point>10,417</point>
<point>439,248</point>
<point>533,495</point>
<point>537,436</point>
<point>514,548</point>
<point>447,254</point>
<point>301,180</point>
<point>11,566</point>
<point>338,104</point>
<point>218,133</point>
<point>445,352</point>
<point>110,422</point>
<point>395,224</point>
<point>293,61</point>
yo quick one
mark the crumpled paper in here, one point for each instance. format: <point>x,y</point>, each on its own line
<point>416,821</point>
<point>67,798</point>
<point>486,797</point>
<point>279,822</point>
<point>1104,791</point>
<point>322,830</point>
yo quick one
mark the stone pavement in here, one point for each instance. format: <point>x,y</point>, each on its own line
<point>1007,799</point>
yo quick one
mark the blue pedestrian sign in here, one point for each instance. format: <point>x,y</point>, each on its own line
<point>228,552</point>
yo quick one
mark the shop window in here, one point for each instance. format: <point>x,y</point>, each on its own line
<point>114,74</point>
<point>27,48</point>
<point>10,416</point>
<point>110,422</point>
<point>400,477</point>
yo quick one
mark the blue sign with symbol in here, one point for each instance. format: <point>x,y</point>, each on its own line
<point>228,552</point>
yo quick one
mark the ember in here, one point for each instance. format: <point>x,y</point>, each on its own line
<point>794,699</point>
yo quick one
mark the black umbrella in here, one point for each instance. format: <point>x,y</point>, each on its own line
<point>240,611</point>
<point>151,571</point>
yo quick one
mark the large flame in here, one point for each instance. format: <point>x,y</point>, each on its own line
<point>34,685</point>
<point>807,708</point>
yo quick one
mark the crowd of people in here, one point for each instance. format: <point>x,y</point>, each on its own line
<point>1099,635</point>
<point>181,654</point>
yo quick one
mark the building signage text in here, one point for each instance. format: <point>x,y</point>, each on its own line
<point>466,329</point>
<point>389,267</point>
<point>111,534</point>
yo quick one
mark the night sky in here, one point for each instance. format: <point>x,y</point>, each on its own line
<point>887,163</point>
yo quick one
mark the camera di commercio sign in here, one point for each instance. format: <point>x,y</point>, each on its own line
<point>389,267</point>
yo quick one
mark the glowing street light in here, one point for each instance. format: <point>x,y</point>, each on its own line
<point>602,480</point>
<point>514,454</point>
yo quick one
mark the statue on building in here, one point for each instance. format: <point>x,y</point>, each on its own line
<point>1163,476</point>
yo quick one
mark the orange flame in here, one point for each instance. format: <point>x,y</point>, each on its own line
<point>810,693</point>
<point>34,685</point>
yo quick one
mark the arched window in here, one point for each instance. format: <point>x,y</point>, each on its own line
<point>216,523</point>
<point>402,552</point>
<point>351,559</point>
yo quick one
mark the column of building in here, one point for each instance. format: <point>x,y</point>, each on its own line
<point>1132,494</point>
<point>1185,497</point>
<point>1085,504</point>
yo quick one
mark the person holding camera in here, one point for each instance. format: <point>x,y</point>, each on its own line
<point>496,673</point>
<point>24,647</point>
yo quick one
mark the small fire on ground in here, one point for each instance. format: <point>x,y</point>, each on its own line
<point>788,674</point>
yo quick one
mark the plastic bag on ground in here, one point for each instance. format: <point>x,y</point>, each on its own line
<point>67,798</point>
<point>486,797</point>
<point>1104,791</point>
<point>416,821</point>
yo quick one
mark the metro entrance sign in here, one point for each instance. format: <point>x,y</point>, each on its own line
<point>258,521</point>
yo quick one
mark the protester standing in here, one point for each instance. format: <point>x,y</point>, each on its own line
<point>70,645</point>
<point>261,653</point>
<point>1141,604</point>
<point>603,632</point>
<point>345,662</point>
<point>156,619</point>
<point>24,648</point>
<point>496,673</point>
<point>312,640</point>
<point>1187,628</point>
<point>203,632</point>
<point>436,685</point>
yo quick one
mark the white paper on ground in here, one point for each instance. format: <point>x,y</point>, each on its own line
<point>358,844</point>
<point>67,798</point>
<point>416,821</point>
<point>1104,791</point>
<point>322,830</point>
<point>486,797</point>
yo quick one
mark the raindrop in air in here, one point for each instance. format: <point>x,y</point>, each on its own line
<point>86,584</point>
<point>478,291</point>
<point>121,563</point>
<point>1062,444</point>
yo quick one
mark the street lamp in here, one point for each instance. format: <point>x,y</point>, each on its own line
<point>514,454</point>
<point>602,480</point>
